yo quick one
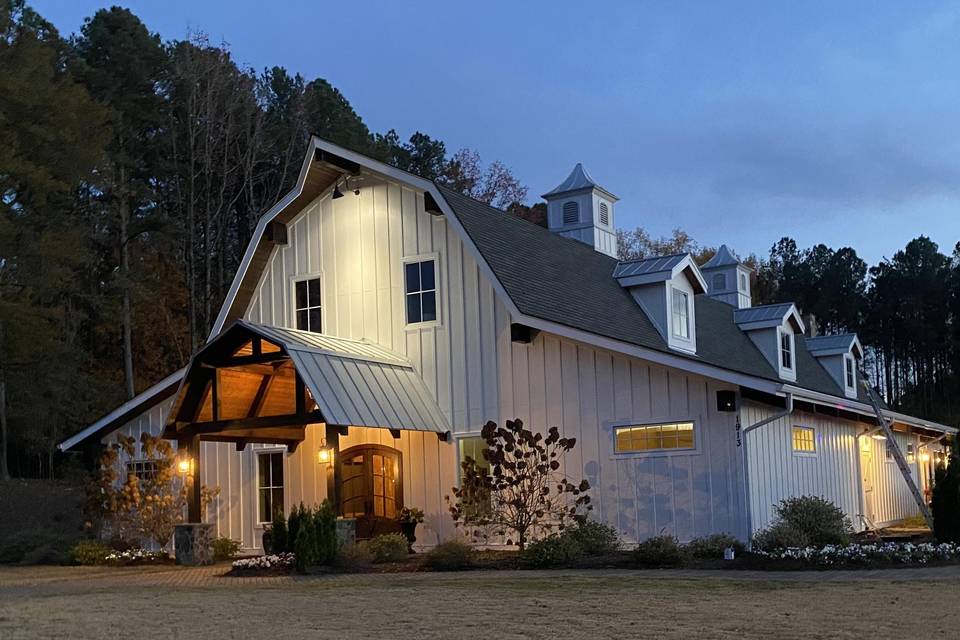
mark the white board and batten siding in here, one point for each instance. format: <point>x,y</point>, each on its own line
<point>585,392</point>
<point>777,472</point>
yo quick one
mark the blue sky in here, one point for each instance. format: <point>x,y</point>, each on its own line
<point>740,122</point>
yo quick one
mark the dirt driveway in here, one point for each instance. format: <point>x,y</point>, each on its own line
<point>178,603</point>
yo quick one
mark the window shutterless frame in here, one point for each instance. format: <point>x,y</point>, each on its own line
<point>270,483</point>
<point>682,437</point>
<point>803,440</point>
<point>418,290</point>
<point>312,306</point>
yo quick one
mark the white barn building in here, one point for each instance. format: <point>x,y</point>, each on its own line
<point>389,325</point>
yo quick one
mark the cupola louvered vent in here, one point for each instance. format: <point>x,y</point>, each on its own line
<point>604,214</point>
<point>571,212</point>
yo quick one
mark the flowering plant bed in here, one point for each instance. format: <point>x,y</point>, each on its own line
<point>137,557</point>
<point>865,555</point>
<point>277,564</point>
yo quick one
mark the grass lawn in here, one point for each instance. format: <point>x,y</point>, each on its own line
<point>95,604</point>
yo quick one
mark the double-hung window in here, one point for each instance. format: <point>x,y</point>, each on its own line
<point>681,314</point>
<point>473,447</point>
<point>269,485</point>
<point>421,291</point>
<point>143,469</point>
<point>307,304</point>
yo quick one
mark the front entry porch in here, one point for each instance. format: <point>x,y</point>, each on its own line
<point>266,387</point>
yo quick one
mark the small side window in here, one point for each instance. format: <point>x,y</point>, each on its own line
<point>849,372</point>
<point>681,314</point>
<point>804,440</point>
<point>421,291</point>
<point>306,294</point>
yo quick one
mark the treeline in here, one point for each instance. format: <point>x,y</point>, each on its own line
<point>132,174</point>
<point>906,309</point>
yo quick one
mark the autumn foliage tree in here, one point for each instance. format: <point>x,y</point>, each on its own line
<point>518,491</point>
<point>140,507</point>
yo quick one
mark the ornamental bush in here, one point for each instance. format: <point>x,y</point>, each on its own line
<point>594,538</point>
<point>279,541</point>
<point>713,546</point>
<point>89,552</point>
<point>452,555</point>
<point>325,525</point>
<point>225,548</point>
<point>658,551</point>
<point>805,521</point>
<point>553,551</point>
<point>390,547</point>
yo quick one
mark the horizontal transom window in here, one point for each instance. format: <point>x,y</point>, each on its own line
<point>654,437</point>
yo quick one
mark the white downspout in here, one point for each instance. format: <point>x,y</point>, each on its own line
<point>746,459</point>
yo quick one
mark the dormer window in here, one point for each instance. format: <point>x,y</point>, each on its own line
<point>719,281</point>
<point>786,350</point>
<point>838,354</point>
<point>571,212</point>
<point>849,372</point>
<point>681,314</point>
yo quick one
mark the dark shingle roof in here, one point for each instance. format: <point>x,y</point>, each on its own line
<point>566,281</point>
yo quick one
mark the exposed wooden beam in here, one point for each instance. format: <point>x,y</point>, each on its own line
<point>260,397</point>
<point>259,422</point>
<point>240,361</point>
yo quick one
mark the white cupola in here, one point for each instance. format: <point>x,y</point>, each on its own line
<point>728,279</point>
<point>581,209</point>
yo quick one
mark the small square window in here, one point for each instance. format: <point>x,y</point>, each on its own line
<point>306,300</point>
<point>804,440</point>
<point>421,291</point>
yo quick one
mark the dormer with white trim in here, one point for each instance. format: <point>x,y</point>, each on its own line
<point>581,209</point>
<point>728,279</point>
<point>839,355</point>
<point>665,288</point>
<point>774,328</point>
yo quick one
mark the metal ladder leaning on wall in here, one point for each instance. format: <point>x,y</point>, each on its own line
<point>887,428</point>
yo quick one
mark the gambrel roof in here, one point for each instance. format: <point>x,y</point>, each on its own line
<point>543,278</point>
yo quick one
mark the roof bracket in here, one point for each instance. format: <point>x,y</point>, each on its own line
<point>430,204</point>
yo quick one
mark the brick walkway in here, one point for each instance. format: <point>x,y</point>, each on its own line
<point>67,579</point>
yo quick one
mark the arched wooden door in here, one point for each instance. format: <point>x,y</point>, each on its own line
<point>371,488</point>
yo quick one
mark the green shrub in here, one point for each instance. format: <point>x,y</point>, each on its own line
<point>305,546</point>
<point>354,556</point>
<point>293,526</point>
<point>658,551</point>
<point>89,552</point>
<point>713,546</point>
<point>227,548</point>
<point>280,543</point>
<point>805,521</point>
<point>552,551</point>
<point>390,547</point>
<point>779,535</point>
<point>452,555</point>
<point>325,525</point>
<point>31,547</point>
<point>594,538</point>
<point>946,499</point>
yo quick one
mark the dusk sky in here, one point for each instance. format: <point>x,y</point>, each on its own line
<point>738,122</point>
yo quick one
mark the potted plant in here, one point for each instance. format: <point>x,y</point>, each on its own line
<point>408,520</point>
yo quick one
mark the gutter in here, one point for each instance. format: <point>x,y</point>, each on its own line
<point>746,458</point>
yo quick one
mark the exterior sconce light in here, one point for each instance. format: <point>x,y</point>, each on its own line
<point>925,457</point>
<point>325,455</point>
<point>185,466</point>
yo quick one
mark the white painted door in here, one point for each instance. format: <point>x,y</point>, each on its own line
<point>866,472</point>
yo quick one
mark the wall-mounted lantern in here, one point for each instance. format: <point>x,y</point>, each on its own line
<point>325,455</point>
<point>185,466</point>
